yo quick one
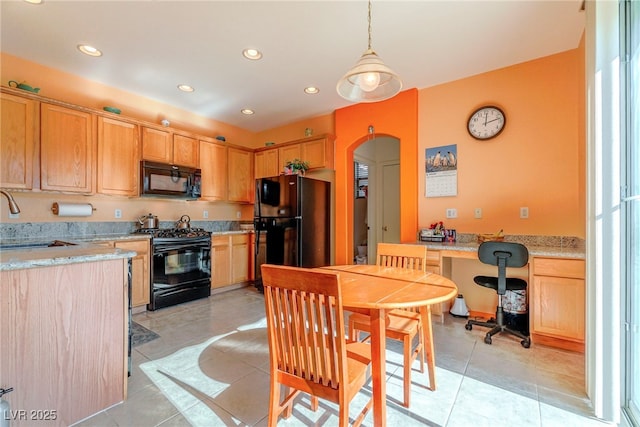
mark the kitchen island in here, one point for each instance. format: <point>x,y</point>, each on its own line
<point>64,328</point>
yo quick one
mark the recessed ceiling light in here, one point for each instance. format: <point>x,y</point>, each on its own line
<point>247,111</point>
<point>253,54</point>
<point>186,88</point>
<point>312,90</point>
<point>89,50</point>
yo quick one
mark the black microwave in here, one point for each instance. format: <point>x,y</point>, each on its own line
<point>160,179</point>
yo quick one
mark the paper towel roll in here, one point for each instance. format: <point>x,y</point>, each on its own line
<point>72,209</point>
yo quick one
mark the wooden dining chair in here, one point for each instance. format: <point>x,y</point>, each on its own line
<point>308,350</point>
<point>403,324</point>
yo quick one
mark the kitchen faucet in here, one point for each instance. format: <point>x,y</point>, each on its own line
<point>13,206</point>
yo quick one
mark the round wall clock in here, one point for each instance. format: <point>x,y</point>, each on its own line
<point>486,122</point>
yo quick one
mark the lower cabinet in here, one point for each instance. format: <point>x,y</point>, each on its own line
<point>229,259</point>
<point>140,276</point>
<point>557,302</point>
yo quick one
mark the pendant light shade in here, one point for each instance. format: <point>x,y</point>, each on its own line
<point>369,80</point>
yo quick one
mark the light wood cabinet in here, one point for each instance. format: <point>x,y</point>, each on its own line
<point>288,153</point>
<point>230,259</point>
<point>140,275</point>
<point>17,142</point>
<point>66,149</point>
<point>157,145</point>
<point>266,163</point>
<point>118,157</point>
<point>557,302</point>
<point>185,151</point>
<point>240,175</point>
<point>220,261</point>
<point>64,332</point>
<point>162,146</point>
<point>318,152</point>
<point>213,161</point>
<point>240,258</point>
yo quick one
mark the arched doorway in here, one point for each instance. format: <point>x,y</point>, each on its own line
<point>396,118</point>
<point>376,211</point>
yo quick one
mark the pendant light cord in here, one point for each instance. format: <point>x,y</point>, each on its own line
<point>369,29</point>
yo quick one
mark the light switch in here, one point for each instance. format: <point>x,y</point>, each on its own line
<point>452,213</point>
<point>524,212</point>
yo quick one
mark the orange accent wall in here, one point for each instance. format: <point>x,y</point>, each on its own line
<point>537,161</point>
<point>395,117</point>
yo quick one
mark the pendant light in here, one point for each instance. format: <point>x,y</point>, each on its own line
<point>369,80</point>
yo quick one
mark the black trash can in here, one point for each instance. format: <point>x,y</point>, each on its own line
<point>516,310</point>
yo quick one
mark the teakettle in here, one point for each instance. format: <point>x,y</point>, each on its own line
<point>184,222</point>
<point>23,86</point>
<point>148,221</point>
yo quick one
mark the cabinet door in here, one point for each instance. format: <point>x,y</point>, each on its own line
<point>240,258</point>
<point>185,151</point>
<point>213,161</point>
<point>118,157</point>
<point>319,153</point>
<point>240,175</point>
<point>288,153</point>
<point>266,163</point>
<point>221,261</point>
<point>156,145</point>
<point>17,142</point>
<point>140,292</point>
<point>66,149</point>
<point>558,307</point>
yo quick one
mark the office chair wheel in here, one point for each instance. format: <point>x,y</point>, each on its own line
<point>468,326</point>
<point>526,343</point>
<point>487,339</point>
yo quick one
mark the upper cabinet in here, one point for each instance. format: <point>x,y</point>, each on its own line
<point>17,142</point>
<point>318,151</point>
<point>213,161</point>
<point>240,175</point>
<point>166,147</point>
<point>266,163</point>
<point>118,157</point>
<point>66,149</point>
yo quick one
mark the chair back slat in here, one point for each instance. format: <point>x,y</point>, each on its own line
<point>413,257</point>
<point>305,323</point>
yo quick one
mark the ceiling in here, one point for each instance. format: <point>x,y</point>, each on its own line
<point>150,47</point>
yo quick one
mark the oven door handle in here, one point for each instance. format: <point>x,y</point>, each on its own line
<point>168,247</point>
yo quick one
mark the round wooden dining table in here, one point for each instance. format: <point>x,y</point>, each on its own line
<point>379,289</point>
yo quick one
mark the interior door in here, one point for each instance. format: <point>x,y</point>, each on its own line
<point>391,203</point>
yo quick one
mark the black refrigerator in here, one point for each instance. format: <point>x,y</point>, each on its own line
<point>292,222</point>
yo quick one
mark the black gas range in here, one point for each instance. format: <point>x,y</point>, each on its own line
<point>180,265</point>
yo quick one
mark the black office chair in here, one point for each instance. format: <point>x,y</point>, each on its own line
<point>502,254</point>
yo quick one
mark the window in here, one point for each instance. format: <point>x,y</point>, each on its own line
<point>361,179</point>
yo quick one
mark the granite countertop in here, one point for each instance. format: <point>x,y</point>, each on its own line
<point>18,254</point>
<point>31,257</point>
<point>534,250</point>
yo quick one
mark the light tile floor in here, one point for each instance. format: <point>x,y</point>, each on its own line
<point>210,368</point>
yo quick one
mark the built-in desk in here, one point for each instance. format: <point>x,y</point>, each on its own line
<point>556,288</point>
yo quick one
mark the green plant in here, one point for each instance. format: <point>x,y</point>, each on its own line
<point>297,165</point>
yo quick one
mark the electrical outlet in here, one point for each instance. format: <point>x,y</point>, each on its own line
<point>452,213</point>
<point>524,212</point>
<point>205,214</point>
<point>118,213</point>
<point>238,214</point>
<point>477,213</point>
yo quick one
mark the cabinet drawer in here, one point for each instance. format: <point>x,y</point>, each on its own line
<point>572,268</point>
<point>433,257</point>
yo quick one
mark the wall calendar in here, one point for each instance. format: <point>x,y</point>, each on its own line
<point>441,171</point>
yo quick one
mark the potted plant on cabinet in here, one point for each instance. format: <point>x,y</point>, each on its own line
<point>296,166</point>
